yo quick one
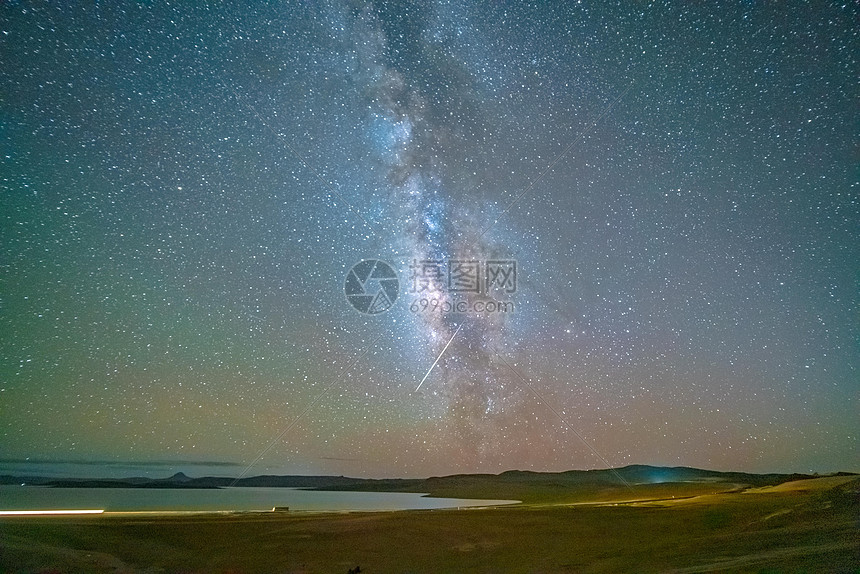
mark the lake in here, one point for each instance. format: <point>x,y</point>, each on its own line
<point>223,499</point>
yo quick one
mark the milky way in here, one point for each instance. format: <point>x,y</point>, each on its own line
<point>185,189</point>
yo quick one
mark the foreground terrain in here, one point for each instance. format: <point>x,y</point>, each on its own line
<point>809,525</point>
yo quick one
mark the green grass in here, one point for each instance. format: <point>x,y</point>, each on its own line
<point>543,493</point>
<point>786,531</point>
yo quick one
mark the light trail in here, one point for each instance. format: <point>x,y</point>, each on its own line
<point>47,512</point>
<point>437,358</point>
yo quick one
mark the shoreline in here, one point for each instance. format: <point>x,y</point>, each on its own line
<point>488,504</point>
<point>805,526</point>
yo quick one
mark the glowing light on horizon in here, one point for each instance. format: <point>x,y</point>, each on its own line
<point>47,512</point>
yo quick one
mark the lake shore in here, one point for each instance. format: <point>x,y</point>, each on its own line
<point>32,500</point>
<point>810,525</point>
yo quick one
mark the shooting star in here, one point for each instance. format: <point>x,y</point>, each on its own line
<point>437,358</point>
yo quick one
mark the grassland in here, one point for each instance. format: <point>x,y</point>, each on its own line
<point>804,526</point>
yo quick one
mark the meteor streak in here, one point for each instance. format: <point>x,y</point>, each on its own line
<point>437,358</point>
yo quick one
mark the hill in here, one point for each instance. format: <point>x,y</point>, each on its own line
<point>629,483</point>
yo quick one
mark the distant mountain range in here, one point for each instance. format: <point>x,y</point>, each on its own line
<point>510,481</point>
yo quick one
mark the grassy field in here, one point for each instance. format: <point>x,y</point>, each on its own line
<point>808,526</point>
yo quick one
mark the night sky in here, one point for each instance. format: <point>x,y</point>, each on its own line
<point>186,187</point>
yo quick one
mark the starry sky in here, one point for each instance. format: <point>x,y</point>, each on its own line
<point>185,187</point>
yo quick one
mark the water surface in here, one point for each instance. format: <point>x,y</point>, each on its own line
<point>223,499</point>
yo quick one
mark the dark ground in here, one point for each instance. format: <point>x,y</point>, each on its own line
<point>805,526</point>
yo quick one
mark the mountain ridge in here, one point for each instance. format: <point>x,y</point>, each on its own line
<point>507,482</point>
